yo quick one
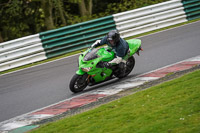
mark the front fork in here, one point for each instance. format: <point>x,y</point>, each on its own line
<point>80,72</point>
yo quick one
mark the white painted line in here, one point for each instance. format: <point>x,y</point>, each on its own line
<point>130,85</point>
<point>109,91</point>
<point>12,125</point>
<point>22,121</point>
<point>144,79</point>
<point>197,58</point>
<point>42,116</point>
<point>127,84</point>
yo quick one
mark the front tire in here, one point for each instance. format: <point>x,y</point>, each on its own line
<point>78,83</point>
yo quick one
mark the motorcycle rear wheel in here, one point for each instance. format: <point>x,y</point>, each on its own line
<point>129,67</point>
<point>78,83</point>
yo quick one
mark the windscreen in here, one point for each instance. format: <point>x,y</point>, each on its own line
<point>92,54</point>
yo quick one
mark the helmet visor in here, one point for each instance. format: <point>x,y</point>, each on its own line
<point>111,41</point>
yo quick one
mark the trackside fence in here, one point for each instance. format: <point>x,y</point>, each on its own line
<point>78,36</point>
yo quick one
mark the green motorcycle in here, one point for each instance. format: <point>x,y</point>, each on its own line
<point>92,68</point>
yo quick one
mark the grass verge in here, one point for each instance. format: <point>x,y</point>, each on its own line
<point>79,51</point>
<point>170,107</point>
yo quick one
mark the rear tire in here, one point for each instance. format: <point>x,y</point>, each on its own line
<point>78,83</point>
<point>129,67</point>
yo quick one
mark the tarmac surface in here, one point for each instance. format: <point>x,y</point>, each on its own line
<point>30,89</point>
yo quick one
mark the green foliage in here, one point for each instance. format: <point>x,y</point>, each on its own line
<point>25,17</point>
<point>19,18</point>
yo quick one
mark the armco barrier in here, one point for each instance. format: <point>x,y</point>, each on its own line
<point>145,11</point>
<point>78,36</point>
<point>56,42</point>
<point>21,51</point>
<point>192,9</point>
<point>53,43</point>
<point>19,43</point>
<point>150,18</point>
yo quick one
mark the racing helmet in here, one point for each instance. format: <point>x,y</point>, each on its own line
<point>113,37</point>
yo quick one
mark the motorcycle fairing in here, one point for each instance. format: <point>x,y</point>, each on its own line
<point>134,45</point>
<point>91,57</point>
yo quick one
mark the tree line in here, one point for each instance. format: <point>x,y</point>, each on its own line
<point>19,18</point>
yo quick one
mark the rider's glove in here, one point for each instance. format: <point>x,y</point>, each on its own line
<point>96,44</point>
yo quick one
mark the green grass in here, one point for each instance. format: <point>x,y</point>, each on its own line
<point>171,107</point>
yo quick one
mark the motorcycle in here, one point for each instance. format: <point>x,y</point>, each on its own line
<point>92,65</point>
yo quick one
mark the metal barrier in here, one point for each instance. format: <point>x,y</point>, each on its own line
<point>20,51</point>
<point>56,42</point>
<point>192,9</point>
<point>150,18</point>
<point>53,43</point>
<point>78,36</point>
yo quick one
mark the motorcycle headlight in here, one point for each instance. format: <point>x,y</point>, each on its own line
<point>86,69</point>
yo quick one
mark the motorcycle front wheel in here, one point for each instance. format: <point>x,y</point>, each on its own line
<point>78,83</point>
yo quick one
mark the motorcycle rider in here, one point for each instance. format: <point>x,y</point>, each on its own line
<point>118,44</point>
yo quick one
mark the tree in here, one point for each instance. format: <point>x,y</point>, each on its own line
<point>61,12</point>
<point>47,6</point>
<point>85,7</point>
<point>14,17</point>
<point>1,38</point>
<point>26,17</point>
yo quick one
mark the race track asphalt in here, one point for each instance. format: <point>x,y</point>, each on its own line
<point>30,89</point>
